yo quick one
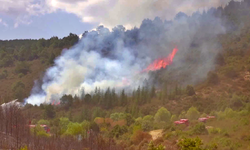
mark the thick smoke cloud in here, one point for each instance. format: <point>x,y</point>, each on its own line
<point>130,13</point>
<point>104,58</point>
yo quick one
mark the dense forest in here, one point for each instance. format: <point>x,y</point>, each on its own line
<point>113,119</point>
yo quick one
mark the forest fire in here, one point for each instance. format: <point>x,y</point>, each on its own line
<point>161,62</point>
<point>56,104</point>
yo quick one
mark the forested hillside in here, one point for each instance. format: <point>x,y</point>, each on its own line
<point>24,61</point>
<point>112,119</point>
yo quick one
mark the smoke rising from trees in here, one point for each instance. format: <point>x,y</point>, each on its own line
<point>105,58</point>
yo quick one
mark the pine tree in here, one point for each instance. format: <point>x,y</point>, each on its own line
<point>123,98</point>
<point>152,93</point>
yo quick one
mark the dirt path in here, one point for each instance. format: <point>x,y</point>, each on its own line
<point>156,133</point>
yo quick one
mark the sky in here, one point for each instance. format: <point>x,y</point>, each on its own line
<point>34,19</point>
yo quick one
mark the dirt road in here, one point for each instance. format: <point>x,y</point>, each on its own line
<point>156,133</point>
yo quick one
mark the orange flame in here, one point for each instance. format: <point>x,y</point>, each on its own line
<point>162,62</point>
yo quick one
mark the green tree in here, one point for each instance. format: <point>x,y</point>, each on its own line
<point>22,67</point>
<point>162,115</point>
<point>18,89</point>
<point>74,129</point>
<point>4,74</point>
<point>212,78</point>
<point>7,61</point>
<point>129,119</point>
<point>230,72</point>
<point>193,113</point>
<point>94,127</point>
<point>190,90</point>
<point>67,100</point>
<point>219,60</point>
<point>63,124</point>
<point>42,121</point>
<point>118,131</point>
<point>87,98</point>
<point>123,98</point>
<point>190,144</point>
<point>152,93</point>
<point>49,111</point>
<point>151,146</point>
<point>174,118</point>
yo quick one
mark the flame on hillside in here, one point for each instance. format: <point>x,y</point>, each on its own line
<point>161,62</point>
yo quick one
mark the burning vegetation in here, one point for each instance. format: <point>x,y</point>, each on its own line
<point>161,62</point>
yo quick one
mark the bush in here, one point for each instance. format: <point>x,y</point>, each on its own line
<point>244,121</point>
<point>139,136</point>
<point>227,113</point>
<point>22,67</point>
<point>17,85</point>
<point>190,144</point>
<point>230,72</point>
<point>212,78</point>
<point>193,113</point>
<point>162,115</point>
<point>219,60</point>
<point>214,130</point>
<point>4,74</point>
<point>18,89</point>
<point>147,125</point>
<point>199,129</point>
<point>49,111</point>
<point>117,116</point>
<point>174,118</point>
<point>212,146</point>
<point>74,129</point>
<point>20,75</point>
<point>190,90</point>
<point>151,146</point>
<point>42,121</point>
<point>118,131</point>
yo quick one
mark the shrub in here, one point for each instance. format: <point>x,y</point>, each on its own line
<point>230,72</point>
<point>224,141</point>
<point>190,144</point>
<point>212,78</point>
<point>42,121</point>
<point>129,119</point>
<point>118,131</point>
<point>39,131</point>
<point>148,118</point>
<point>219,60</point>
<point>22,67</point>
<point>117,116</point>
<point>174,118</point>
<point>20,75</point>
<point>24,148</point>
<point>212,146</point>
<point>17,85</point>
<point>190,90</point>
<point>136,128</point>
<point>245,137</point>
<point>147,125</point>
<point>74,129</point>
<point>199,129</point>
<point>151,146</point>
<point>193,113</point>
<point>4,74</point>
<point>214,130</point>
<point>139,136</point>
<point>162,115</point>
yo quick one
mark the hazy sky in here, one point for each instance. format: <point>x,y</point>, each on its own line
<point>22,19</point>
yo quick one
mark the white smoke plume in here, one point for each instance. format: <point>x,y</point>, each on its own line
<point>104,58</point>
<point>130,13</point>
